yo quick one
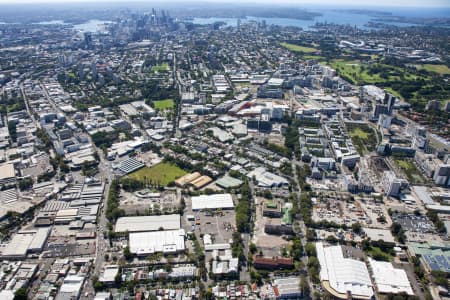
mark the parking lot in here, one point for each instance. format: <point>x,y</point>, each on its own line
<point>414,223</point>
<point>62,242</point>
<point>69,247</point>
<point>147,202</point>
<point>270,244</point>
<point>219,224</point>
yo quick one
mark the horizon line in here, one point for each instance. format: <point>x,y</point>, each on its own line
<point>327,3</point>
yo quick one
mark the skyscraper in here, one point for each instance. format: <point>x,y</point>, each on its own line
<point>88,40</point>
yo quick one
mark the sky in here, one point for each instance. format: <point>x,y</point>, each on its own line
<point>335,3</point>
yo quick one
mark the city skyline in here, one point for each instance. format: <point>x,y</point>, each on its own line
<point>381,3</point>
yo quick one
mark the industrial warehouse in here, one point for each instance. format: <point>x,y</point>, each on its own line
<point>388,279</point>
<point>24,242</point>
<point>167,242</point>
<point>343,276</point>
<point>148,223</point>
<point>153,234</point>
<point>222,201</point>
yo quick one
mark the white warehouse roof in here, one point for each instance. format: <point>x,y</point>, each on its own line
<point>71,287</point>
<point>170,241</point>
<point>18,246</point>
<point>148,223</point>
<point>389,279</point>
<point>267,179</point>
<point>26,241</point>
<point>289,286</point>
<point>343,274</point>
<point>212,201</point>
<point>109,273</point>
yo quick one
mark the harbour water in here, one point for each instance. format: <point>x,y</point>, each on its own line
<point>358,19</point>
<point>348,16</point>
<point>89,26</point>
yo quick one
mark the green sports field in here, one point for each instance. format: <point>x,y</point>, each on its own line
<point>164,67</point>
<point>164,104</point>
<point>160,174</point>
<point>297,48</point>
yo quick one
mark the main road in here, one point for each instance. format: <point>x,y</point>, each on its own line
<point>106,176</point>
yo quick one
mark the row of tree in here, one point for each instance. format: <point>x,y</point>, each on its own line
<point>243,209</point>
